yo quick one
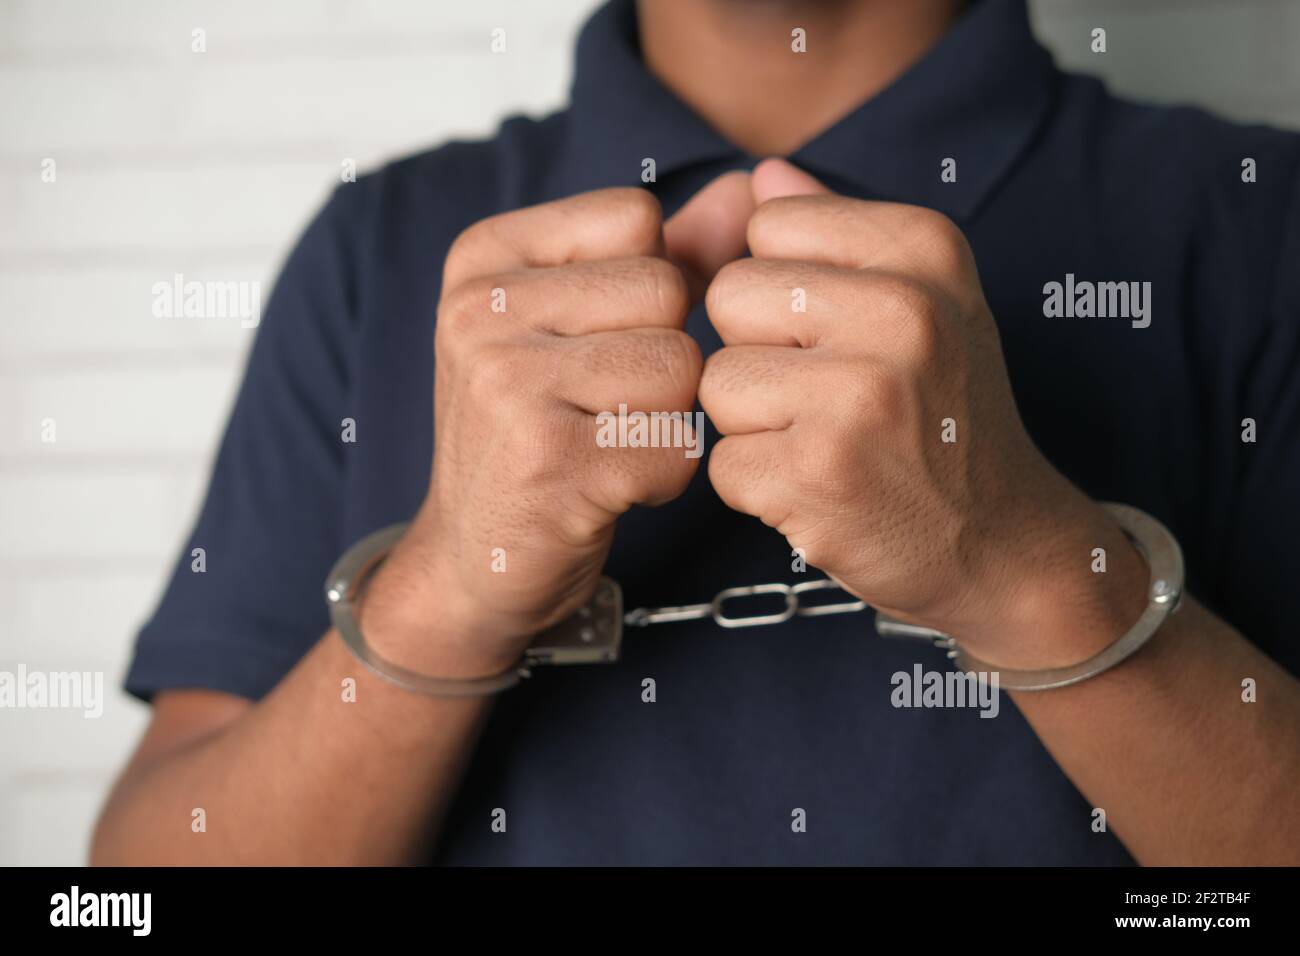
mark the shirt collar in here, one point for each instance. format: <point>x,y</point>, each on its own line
<point>977,96</point>
<point>621,114</point>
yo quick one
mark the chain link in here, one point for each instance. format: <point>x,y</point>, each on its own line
<point>645,616</point>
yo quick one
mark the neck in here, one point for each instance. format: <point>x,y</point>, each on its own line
<point>731,60</point>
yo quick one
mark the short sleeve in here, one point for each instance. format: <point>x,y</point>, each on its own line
<point>269,526</point>
<point>1263,562</point>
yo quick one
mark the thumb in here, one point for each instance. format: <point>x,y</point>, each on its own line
<point>774,178</point>
<point>709,231</point>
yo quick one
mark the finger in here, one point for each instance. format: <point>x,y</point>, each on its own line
<point>741,472</point>
<point>774,178</point>
<point>611,477</point>
<point>754,388</point>
<point>649,370</point>
<point>709,231</point>
<point>602,295</point>
<point>779,302</point>
<point>860,234</point>
<point>621,476</point>
<point>604,224</point>
<point>808,304</point>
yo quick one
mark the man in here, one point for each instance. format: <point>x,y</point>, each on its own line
<point>854,320</point>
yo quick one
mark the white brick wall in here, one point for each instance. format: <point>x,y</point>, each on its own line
<point>170,161</point>
<point>208,164</point>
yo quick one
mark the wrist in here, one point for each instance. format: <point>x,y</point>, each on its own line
<point>412,615</point>
<point>1081,588</point>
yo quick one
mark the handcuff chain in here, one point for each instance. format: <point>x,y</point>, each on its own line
<point>645,616</point>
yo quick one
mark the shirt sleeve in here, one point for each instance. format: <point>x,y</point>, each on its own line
<point>1263,544</point>
<point>269,526</point>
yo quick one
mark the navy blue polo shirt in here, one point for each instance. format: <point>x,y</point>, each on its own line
<point>1055,178</point>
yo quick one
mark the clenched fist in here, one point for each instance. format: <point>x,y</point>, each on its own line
<point>868,417</point>
<point>549,316</point>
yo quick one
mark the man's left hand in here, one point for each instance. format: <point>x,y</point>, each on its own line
<point>868,417</point>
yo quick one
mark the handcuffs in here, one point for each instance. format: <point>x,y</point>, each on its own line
<point>594,633</point>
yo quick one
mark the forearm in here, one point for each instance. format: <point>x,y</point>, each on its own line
<point>1185,770</point>
<point>302,777</point>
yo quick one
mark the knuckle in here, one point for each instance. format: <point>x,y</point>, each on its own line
<point>499,377</point>
<point>637,213</point>
<point>732,369</point>
<point>828,472</point>
<point>682,362</point>
<point>813,470</point>
<point>718,373</point>
<point>458,249</point>
<point>664,286</point>
<point>540,452</point>
<point>669,355</point>
<point>464,308</point>
<point>923,335</point>
<point>917,314</point>
<point>934,224</point>
<point>915,311</point>
<point>898,297</point>
<point>729,468</point>
<point>728,281</point>
<point>766,220</point>
<point>463,248</point>
<point>942,237</point>
<point>876,395</point>
<point>718,362</point>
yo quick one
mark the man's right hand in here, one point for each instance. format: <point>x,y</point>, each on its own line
<point>592,294</point>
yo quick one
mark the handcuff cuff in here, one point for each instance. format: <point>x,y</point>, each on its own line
<point>594,633</point>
